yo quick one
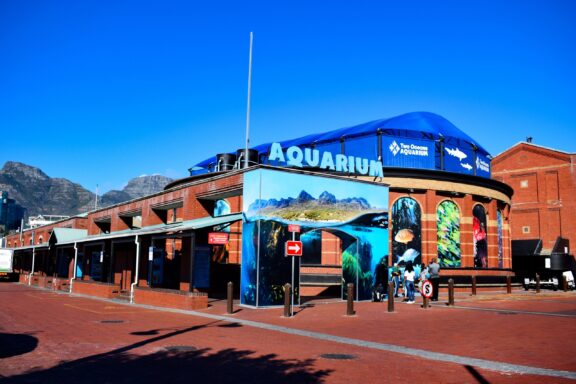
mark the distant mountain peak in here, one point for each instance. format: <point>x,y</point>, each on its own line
<point>41,194</point>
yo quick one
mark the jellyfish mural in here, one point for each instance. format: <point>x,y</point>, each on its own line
<point>479,235</point>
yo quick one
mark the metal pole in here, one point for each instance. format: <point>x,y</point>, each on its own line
<point>350,301</point>
<point>565,283</point>
<point>509,284</point>
<point>473,285</point>
<point>451,292</point>
<point>287,294</point>
<point>230,296</point>
<point>537,283</point>
<point>292,291</point>
<point>391,296</point>
<point>424,302</point>
<point>248,104</point>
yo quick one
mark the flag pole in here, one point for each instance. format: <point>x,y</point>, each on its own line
<point>248,104</point>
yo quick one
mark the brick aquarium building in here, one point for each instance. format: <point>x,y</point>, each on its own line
<point>401,190</point>
<point>543,207</point>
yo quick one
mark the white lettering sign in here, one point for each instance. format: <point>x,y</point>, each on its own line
<point>297,157</point>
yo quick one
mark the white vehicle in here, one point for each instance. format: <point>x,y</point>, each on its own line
<point>6,258</point>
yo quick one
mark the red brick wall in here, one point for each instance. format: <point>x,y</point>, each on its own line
<point>163,298</point>
<point>544,203</point>
<point>108,291</point>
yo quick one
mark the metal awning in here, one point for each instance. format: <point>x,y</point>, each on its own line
<point>32,247</point>
<point>66,235</point>
<point>165,228</point>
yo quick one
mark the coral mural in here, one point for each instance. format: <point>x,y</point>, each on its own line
<point>448,231</point>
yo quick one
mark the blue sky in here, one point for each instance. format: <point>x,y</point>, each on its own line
<point>102,91</point>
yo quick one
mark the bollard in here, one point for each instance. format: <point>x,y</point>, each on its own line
<point>425,302</point>
<point>230,298</point>
<point>473,285</point>
<point>565,283</point>
<point>391,296</point>
<point>287,296</point>
<point>537,283</point>
<point>350,301</point>
<point>509,284</point>
<point>451,292</point>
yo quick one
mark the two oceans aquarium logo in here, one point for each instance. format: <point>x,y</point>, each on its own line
<point>408,149</point>
<point>298,157</point>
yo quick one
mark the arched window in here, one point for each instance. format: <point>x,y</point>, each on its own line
<point>500,241</point>
<point>406,231</point>
<point>448,230</point>
<point>40,240</point>
<point>479,236</point>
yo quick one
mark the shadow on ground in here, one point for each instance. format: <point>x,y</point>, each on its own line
<point>15,344</point>
<point>200,366</point>
<point>176,364</point>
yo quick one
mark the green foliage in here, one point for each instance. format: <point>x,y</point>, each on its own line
<point>448,231</point>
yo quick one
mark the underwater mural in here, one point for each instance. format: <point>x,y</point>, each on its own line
<point>448,231</point>
<point>500,247</point>
<point>355,212</point>
<point>479,236</point>
<point>406,231</point>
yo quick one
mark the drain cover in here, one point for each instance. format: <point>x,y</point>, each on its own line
<point>180,348</point>
<point>337,356</point>
<point>112,321</point>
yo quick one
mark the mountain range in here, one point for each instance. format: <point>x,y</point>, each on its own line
<point>304,198</point>
<point>41,194</point>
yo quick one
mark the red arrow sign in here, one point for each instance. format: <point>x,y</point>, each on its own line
<point>293,248</point>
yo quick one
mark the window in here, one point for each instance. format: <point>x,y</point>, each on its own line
<point>526,229</point>
<point>524,184</point>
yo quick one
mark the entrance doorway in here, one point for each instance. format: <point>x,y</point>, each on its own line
<point>322,276</point>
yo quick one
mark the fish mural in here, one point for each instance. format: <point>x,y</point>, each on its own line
<point>406,231</point>
<point>466,166</point>
<point>410,255</point>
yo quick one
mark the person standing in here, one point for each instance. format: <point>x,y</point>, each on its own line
<point>381,281</point>
<point>396,278</point>
<point>409,275</point>
<point>434,271</point>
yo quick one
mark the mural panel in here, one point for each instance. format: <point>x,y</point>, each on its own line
<point>406,231</point>
<point>480,237</point>
<point>356,212</point>
<point>448,231</point>
<point>500,247</point>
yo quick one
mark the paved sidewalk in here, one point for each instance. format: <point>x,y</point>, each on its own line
<point>50,337</point>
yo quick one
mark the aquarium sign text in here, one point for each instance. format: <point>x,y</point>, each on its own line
<point>298,157</point>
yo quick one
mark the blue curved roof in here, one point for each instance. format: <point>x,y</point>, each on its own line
<point>417,125</point>
<point>414,124</point>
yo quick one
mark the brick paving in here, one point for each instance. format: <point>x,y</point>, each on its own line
<point>49,337</point>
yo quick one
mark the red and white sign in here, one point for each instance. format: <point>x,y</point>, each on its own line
<point>218,238</point>
<point>294,228</point>
<point>427,289</point>
<point>293,248</point>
